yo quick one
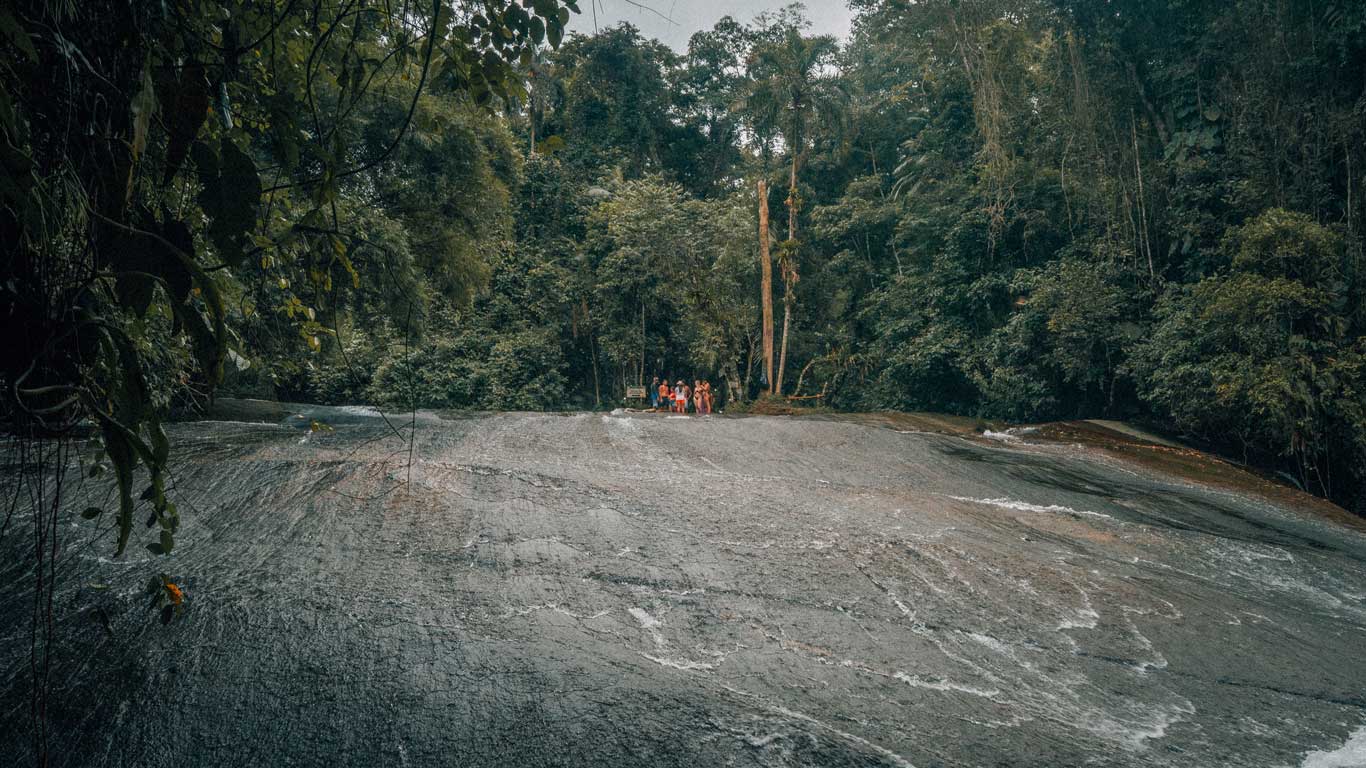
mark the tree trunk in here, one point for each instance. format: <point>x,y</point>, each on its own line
<point>749,366</point>
<point>734,389</point>
<point>597,388</point>
<point>593,350</point>
<point>1142,206</point>
<point>789,270</point>
<point>782,356</point>
<point>1158,123</point>
<point>766,286</point>
<point>531,114</point>
<point>802,377</point>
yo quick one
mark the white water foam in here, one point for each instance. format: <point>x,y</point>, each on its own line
<point>621,424</point>
<point>1011,435</point>
<point>1349,755</point>
<point>1024,506</point>
<point>683,664</point>
<point>1129,727</point>
<point>1085,619</point>
<point>649,624</point>
<point>916,681</point>
<point>1134,733</point>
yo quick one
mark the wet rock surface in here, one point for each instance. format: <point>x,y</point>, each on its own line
<point>646,590</point>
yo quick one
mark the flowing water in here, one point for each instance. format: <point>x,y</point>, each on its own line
<point>636,590</point>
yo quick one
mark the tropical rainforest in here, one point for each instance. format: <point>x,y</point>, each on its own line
<point>1018,210</point>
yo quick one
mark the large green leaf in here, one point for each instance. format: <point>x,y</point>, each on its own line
<point>15,33</point>
<point>230,196</point>
<point>144,106</point>
<point>124,459</point>
<point>186,105</point>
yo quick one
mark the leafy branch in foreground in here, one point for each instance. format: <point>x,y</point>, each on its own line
<point>159,156</point>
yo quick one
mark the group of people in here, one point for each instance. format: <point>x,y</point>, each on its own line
<point>680,398</point>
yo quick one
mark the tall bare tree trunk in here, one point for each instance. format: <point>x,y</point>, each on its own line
<point>766,286</point>
<point>593,349</point>
<point>789,270</point>
<point>750,354</point>
<point>1142,206</point>
<point>531,114</point>
<point>597,388</point>
<point>782,356</point>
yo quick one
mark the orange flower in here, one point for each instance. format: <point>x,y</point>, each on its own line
<point>176,595</point>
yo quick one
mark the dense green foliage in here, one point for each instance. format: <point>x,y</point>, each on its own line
<point>192,185</point>
<point>1016,209</point>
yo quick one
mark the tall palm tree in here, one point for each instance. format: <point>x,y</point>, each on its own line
<point>792,93</point>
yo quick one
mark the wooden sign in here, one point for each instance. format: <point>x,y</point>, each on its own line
<point>635,393</point>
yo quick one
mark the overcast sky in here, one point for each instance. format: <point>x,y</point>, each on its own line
<point>828,17</point>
